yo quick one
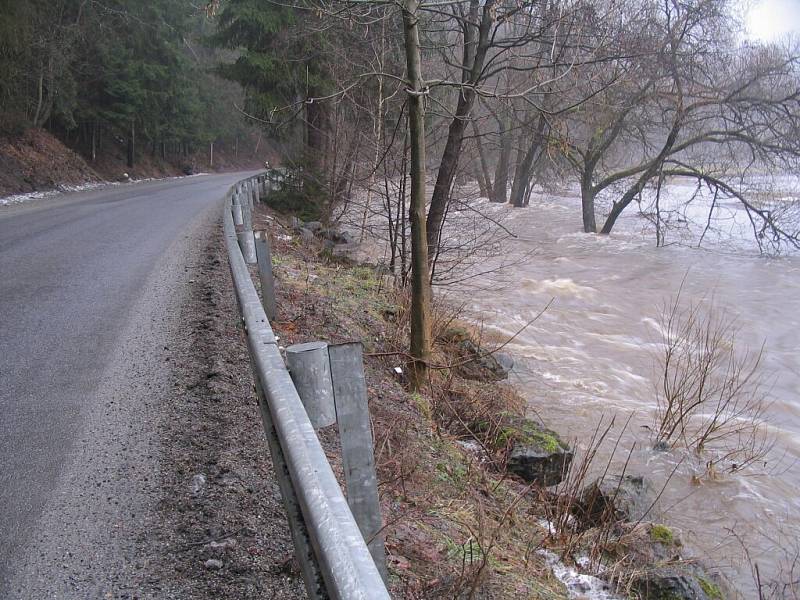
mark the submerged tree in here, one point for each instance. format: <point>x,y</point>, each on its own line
<point>690,104</point>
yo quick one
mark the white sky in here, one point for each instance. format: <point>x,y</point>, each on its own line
<point>771,19</point>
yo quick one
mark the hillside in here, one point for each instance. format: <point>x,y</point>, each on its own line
<point>37,160</point>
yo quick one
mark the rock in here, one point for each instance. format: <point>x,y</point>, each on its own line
<point>306,235</point>
<point>198,484</point>
<point>390,313</point>
<point>661,446</point>
<point>537,455</point>
<point>655,568</point>
<point>476,364</point>
<point>345,237</point>
<point>213,564</point>
<point>345,250</point>
<point>296,224</point>
<point>506,361</point>
<point>219,548</point>
<point>313,226</point>
<point>669,583</point>
<point>613,498</point>
<point>334,237</point>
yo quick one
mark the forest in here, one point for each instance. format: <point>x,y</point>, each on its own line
<point>410,102</point>
<point>407,109</point>
<point>142,74</point>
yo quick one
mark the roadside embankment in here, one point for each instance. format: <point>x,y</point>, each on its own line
<point>478,499</point>
<point>35,160</point>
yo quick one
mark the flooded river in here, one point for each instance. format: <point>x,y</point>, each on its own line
<point>594,353</point>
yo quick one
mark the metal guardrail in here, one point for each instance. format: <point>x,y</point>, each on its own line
<point>334,558</point>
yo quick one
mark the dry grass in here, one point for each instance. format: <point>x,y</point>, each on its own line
<point>456,525</point>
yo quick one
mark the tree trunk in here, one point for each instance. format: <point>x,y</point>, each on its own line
<point>317,125</point>
<point>484,173</point>
<point>94,141</point>
<point>525,168</point>
<point>39,99</point>
<point>483,187</point>
<point>131,145</point>
<point>420,278</point>
<point>587,203</point>
<point>474,56</point>
<point>501,172</point>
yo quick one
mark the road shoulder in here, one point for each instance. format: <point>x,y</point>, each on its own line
<point>131,517</point>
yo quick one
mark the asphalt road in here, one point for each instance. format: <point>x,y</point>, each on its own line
<point>86,280</point>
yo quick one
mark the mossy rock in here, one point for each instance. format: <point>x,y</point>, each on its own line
<point>537,455</point>
<point>661,534</point>
<point>673,583</point>
<point>711,589</point>
<point>455,334</point>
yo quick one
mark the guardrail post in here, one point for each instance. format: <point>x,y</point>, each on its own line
<point>311,373</point>
<point>315,585</point>
<point>237,214</point>
<point>358,458</point>
<point>264,258</point>
<point>247,245</point>
<point>247,213</point>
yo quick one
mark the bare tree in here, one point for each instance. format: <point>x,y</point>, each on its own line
<point>712,395</point>
<point>689,94</point>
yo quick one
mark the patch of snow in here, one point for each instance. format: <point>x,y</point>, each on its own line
<point>61,189</point>
<point>469,445</point>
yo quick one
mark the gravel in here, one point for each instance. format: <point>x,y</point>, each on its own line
<point>171,492</point>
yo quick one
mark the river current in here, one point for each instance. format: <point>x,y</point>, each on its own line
<point>592,355</point>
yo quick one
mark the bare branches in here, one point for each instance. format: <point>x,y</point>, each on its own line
<point>712,396</point>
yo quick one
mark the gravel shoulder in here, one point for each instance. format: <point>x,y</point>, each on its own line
<point>168,492</point>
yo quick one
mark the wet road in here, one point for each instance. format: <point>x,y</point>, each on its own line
<point>73,270</point>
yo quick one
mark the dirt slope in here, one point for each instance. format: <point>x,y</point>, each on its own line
<point>36,161</point>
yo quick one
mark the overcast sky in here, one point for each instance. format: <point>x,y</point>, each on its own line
<point>770,19</point>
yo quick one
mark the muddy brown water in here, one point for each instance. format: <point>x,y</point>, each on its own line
<point>592,356</point>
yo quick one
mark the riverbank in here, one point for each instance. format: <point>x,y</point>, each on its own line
<point>459,523</point>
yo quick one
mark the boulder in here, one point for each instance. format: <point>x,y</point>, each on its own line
<point>506,361</point>
<point>313,226</point>
<point>671,583</point>
<point>472,361</point>
<point>654,565</point>
<point>477,364</point>
<point>613,498</point>
<point>537,454</point>
<point>306,235</point>
<point>337,237</point>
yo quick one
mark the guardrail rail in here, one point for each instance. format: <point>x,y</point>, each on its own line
<point>334,558</point>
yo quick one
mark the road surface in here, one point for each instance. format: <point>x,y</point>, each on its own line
<point>87,287</point>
